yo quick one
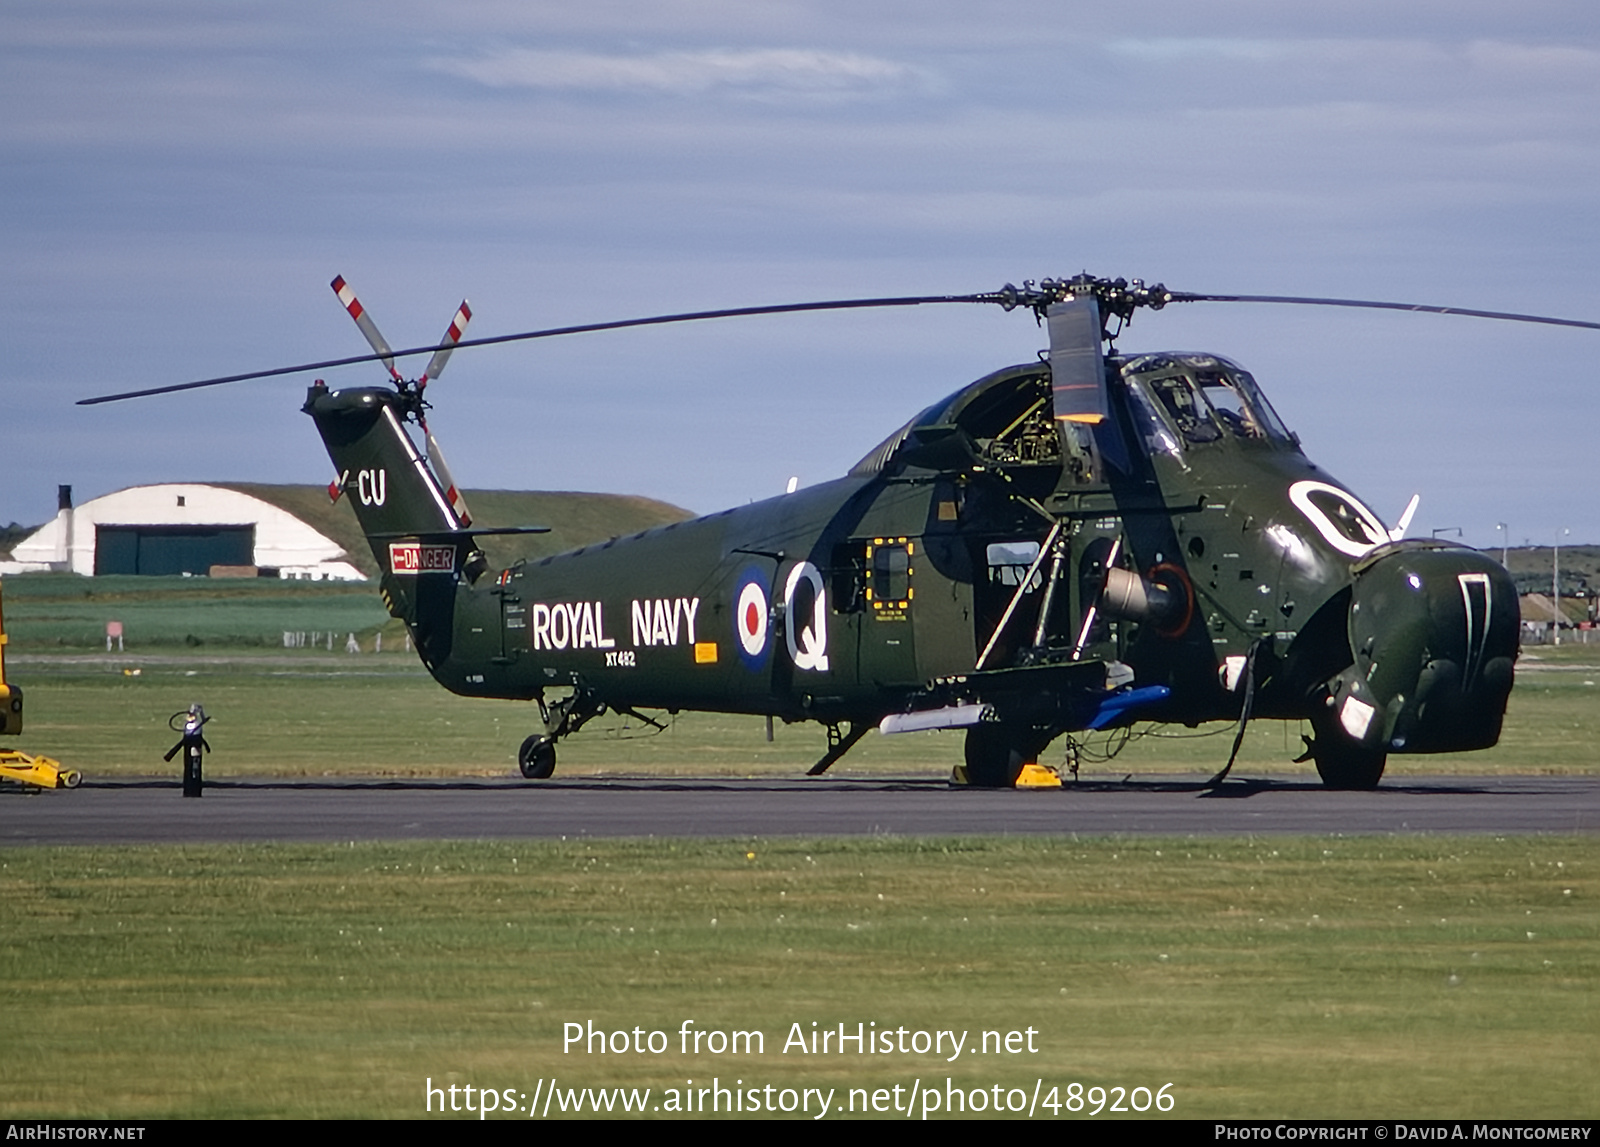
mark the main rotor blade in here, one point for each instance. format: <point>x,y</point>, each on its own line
<point>1009,297</point>
<point>585,328</point>
<point>1507,316</point>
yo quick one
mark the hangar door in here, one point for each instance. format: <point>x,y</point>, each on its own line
<point>169,550</point>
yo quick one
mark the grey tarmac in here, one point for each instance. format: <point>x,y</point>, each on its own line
<point>153,811</point>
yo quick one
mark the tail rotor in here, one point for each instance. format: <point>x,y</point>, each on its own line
<point>431,452</point>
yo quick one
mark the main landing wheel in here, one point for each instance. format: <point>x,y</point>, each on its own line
<point>995,755</point>
<point>537,757</point>
<point>1341,763</point>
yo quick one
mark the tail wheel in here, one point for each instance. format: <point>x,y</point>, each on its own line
<point>537,757</point>
<point>1343,764</point>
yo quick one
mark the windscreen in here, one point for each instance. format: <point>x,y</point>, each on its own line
<point>1205,399</point>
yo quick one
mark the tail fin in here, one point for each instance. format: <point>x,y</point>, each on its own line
<point>415,533</point>
<point>391,487</point>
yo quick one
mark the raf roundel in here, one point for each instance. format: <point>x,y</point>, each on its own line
<point>750,620</point>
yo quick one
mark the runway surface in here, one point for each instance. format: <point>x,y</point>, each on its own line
<point>154,811</point>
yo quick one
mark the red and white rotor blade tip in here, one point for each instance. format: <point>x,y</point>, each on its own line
<point>441,470</point>
<point>364,321</point>
<point>458,327</point>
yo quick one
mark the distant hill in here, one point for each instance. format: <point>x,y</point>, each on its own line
<point>574,519</point>
<point>1531,567</point>
<point>11,535</point>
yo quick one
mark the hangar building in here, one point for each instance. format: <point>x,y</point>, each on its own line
<point>180,528</point>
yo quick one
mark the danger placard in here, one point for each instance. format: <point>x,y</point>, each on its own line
<point>416,558</point>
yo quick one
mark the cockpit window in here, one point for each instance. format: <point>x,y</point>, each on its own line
<point>1207,399</point>
<point>1157,435</point>
<point>1227,404</point>
<point>1265,418</point>
<point>1189,413</point>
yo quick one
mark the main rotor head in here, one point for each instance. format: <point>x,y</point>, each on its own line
<point>1120,297</point>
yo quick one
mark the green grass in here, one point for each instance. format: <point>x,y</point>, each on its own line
<point>1374,977</point>
<point>311,711</point>
<point>315,713</point>
<point>55,612</point>
<point>1330,977</point>
<point>1552,726</point>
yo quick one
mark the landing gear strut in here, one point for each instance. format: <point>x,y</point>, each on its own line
<point>537,756</point>
<point>838,745</point>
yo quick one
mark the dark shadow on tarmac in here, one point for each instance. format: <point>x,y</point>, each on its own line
<point>1238,788</point>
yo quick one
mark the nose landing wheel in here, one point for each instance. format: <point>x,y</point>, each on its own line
<point>1340,763</point>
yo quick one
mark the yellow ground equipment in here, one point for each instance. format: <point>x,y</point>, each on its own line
<point>42,771</point>
<point>22,767</point>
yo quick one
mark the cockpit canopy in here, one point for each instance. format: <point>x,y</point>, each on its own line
<point>1203,397</point>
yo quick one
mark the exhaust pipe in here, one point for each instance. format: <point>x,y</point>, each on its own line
<point>1137,598</point>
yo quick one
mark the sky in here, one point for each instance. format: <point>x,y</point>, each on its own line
<point>182,178</point>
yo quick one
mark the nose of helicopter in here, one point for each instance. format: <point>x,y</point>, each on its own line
<point>1434,632</point>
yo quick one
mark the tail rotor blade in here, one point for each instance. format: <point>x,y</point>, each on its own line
<point>452,493</point>
<point>364,321</point>
<point>458,327</point>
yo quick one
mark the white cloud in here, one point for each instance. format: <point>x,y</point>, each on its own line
<point>791,70</point>
<point>1495,57</point>
<point>1546,60</point>
<point>1159,49</point>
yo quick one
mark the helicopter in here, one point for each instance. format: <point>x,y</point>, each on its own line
<point>1078,543</point>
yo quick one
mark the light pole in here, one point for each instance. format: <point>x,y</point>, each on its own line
<point>1555,588</point>
<point>1505,541</point>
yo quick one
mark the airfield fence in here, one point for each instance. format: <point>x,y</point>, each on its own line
<point>1539,633</point>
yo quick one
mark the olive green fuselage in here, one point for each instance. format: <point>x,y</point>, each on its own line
<point>969,558</point>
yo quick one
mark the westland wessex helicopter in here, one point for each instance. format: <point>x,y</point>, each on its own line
<point>1077,543</point>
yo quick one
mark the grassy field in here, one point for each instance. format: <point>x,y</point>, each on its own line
<point>1330,977</point>
<point>60,613</point>
<point>1374,977</point>
<point>314,712</point>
